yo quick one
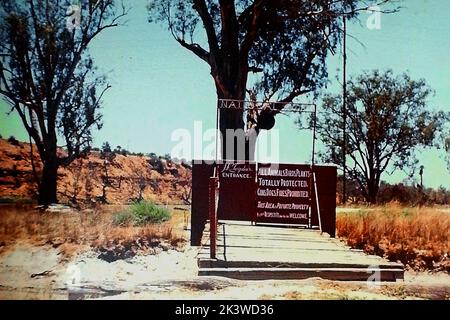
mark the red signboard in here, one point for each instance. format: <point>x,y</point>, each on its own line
<point>283,193</point>
<point>277,193</point>
<point>237,190</point>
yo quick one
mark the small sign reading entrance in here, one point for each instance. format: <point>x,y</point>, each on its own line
<point>237,185</point>
<point>283,193</point>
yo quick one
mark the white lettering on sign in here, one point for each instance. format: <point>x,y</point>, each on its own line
<point>234,170</point>
<point>283,183</point>
<point>291,215</point>
<point>282,206</point>
<point>284,172</point>
<point>282,193</point>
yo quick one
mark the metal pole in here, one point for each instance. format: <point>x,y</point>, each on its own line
<point>317,202</point>
<point>212,217</point>
<point>217,131</point>
<point>311,177</point>
<point>213,194</point>
<point>344,115</point>
<point>314,137</point>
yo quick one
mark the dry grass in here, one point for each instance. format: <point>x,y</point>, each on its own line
<point>418,237</point>
<point>72,231</point>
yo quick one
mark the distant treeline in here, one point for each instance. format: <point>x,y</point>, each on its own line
<point>106,148</point>
<point>399,192</point>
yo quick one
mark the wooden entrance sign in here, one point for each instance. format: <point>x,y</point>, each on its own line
<point>264,193</point>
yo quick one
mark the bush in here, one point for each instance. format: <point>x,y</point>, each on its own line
<point>157,164</point>
<point>12,140</point>
<point>140,214</point>
<point>147,212</point>
<point>106,147</point>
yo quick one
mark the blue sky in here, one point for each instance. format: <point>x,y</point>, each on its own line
<point>158,87</point>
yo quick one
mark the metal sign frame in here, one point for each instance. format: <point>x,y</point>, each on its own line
<point>277,108</point>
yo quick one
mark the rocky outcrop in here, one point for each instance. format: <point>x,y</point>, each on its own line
<point>115,179</point>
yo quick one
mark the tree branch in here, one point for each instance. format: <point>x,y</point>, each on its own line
<point>196,49</point>
<point>202,9</point>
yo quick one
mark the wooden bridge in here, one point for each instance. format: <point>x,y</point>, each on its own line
<point>258,252</point>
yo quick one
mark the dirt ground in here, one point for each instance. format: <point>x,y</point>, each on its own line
<point>29,272</point>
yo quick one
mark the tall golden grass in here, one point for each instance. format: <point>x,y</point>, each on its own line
<point>418,237</point>
<point>74,230</point>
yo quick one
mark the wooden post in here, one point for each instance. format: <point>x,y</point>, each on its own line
<point>213,187</point>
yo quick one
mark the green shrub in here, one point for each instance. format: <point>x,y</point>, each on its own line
<point>145,212</point>
<point>140,214</point>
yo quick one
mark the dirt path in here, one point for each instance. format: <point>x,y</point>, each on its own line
<point>36,273</point>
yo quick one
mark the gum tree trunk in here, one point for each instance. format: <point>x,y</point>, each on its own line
<point>48,183</point>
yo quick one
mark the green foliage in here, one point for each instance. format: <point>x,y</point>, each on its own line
<point>285,43</point>
<point>142,213</point>
<point>410,195</point>
<point>107,154</point>
<point>74,111</point>
<point>121,151</point>
<point>147,212</point>
<point>106,147</point>
<point>387,119</point>
<point>47,72</point>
